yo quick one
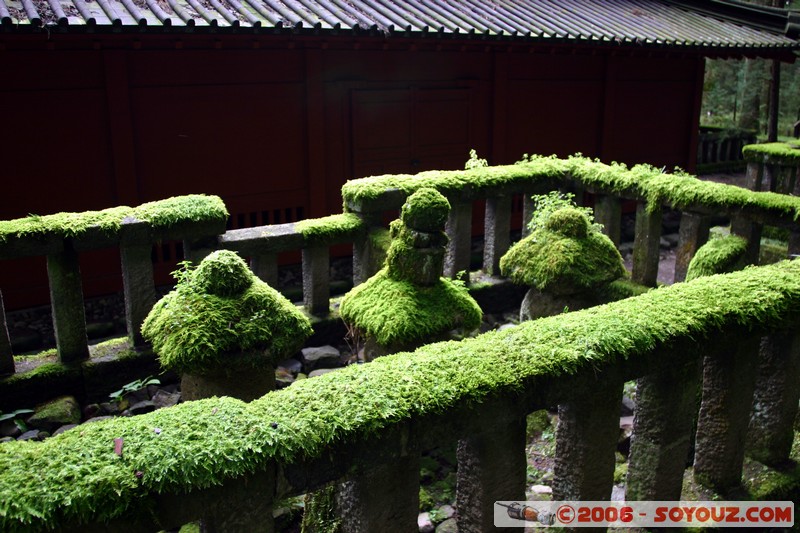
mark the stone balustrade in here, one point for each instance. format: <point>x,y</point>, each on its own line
<point>362,424</point>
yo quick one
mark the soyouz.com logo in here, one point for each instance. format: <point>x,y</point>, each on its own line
<point>644,514</point>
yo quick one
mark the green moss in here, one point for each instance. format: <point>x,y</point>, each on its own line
<point>329,229</point>
<point>569,223</point>
<point>43,371</point>
<point>620,289</point>
<point>678,190</point>
<point>399,312</point>
<point>219,309</point>
<point>160,215</point>
<point>563,257</point>
<point>321,514</point>
<point>223,273</point>
<point>776,152</point>
<point>425,210</point>
<point>717,256</point>
<point>76,476</point>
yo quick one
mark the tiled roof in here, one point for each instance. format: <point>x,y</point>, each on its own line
<point>699,23</point>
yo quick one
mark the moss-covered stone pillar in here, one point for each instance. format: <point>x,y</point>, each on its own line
<point>137,278</point>
<point>666,404</point>
<point>692,234</point>
<point>385,498</point>
<point>751,232</point>
<point>491,467</point>
<point>729,373</point>
<point>66,300</point>
<point>586,441</point>
<point>646,244</point>
<point>6,355</point>
<point>265,266</point>
<point>608,212</point>
<point>497,228</point>
<point>316,280</point>
<point>775,400</point>
<point>197,249</point>
<point>459,233</point>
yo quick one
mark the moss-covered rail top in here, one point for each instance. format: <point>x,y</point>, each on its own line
<point>159,217</point>
<point>678,190</point>
<point>79,477</point>
<point>771,153</point>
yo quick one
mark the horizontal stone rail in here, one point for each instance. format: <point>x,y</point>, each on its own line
<point>225,461</point>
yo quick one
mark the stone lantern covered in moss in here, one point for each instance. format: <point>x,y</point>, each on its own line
<point>566,262</point>
<point>408,303</point>
<point>224,330</point>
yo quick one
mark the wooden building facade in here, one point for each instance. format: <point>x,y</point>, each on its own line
<point>275,117</point>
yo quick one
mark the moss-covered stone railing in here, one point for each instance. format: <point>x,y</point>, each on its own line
<point>651,188</point>
<point>63,236</point>
<point>226,461</point>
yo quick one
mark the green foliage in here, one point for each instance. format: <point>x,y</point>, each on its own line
<point>321,514</point>
<point>223,273</point>
<point>327,230</point>
<point>191,328</point>
<point>474,161</point>
<point>563,256</point>
<point>717,256</point>
<point>17,416</point>
<point>132,387</point>
<point>787,154</point>
<point>425,210</point>
<point>160,215</point>
<point>399,312</point>
<point>76,477</point>
<point>546,204</point>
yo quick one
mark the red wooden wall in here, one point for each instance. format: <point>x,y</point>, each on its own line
<point>276,125</point>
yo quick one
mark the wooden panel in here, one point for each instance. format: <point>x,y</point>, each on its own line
<point>652,123</point>
<point>552,117</point>
<point>56,153</point>
<point>242,139</point>
<point>50,70</point>
<point>151,68</point>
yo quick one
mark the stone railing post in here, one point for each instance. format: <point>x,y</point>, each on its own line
<point>497,228</point>
<point>195,250</point>
<point>491,467</point>
<point>6,354</point>
<point>365,264</point>
<point>459,232</point>
<point>608,212</point>
<point>692,234</point>
<point>385,498</point>
<point>265,266</point>
<point>316,280</point>
<point>756,179</point>
<point>775,400</point>
<point>586,440</point>
<point>528,207</point>
<point>666,406</point>
<point>729,373</point>
<point>137,277</point>
<point>66,300</point>
<point>646,245</point>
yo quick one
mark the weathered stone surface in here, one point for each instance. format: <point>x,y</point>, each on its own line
<point>448,526</point>
<point>666,406</point>
<point>368,502</point>
<point>320,372</point>
<point>51,415</point>
<point>586,440</point>
<point>315,357</point>
<point>728,380</point>
<point>65,427</point>
<point>244,384</point>
<point>775,401</point>
<point>538,304</point>
<point>292,365</point>
<point>66,299</point>
<point>142,407</point>
<point>425,524</point>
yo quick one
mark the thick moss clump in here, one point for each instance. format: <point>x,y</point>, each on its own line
<point>221,308</point>
<point>399,312</point>
<point>718,256</point>
<point>566,256</point>
<point>425,210</point>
